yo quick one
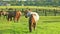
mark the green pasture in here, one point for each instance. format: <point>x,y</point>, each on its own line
<point>45,25</point>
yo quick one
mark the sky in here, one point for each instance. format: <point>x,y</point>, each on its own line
<point>18,0</point>
<point>12,0</point>
<point>22,0</point>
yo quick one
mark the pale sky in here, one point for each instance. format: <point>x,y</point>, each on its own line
<point>18,0</point>
<point>12,0</point>
<point>22,0</point>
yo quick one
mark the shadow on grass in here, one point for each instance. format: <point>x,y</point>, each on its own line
<point>9,31</point>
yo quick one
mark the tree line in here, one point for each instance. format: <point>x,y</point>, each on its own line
<point>35,3</point>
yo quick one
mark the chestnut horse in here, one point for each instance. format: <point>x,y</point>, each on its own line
<point>33,18</point>
<point>17,16</point>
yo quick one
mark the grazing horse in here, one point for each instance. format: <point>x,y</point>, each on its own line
<point>33,18</point>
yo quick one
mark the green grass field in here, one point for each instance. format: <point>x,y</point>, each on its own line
<point>46,25</point>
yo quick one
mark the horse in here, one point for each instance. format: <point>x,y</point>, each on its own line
<point>13,14</point>
<point>0,13</point>
<point>33,18</point>
<point>4,13</point>
<point>17,16</point>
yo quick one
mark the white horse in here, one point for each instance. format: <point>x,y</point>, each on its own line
<point>33,18</point>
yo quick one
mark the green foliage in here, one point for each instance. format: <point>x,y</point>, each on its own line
<point>35,3</point>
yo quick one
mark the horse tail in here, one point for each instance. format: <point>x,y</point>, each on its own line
<point>32,22</point>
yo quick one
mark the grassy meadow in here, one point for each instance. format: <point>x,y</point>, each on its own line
<point>45,25</point>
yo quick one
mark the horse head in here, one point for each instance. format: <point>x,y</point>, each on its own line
<point>27,13</point>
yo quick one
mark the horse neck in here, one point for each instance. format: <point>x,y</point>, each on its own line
<point>28,14</point>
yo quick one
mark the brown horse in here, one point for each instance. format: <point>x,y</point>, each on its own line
<point>17,16</point>
<point>4,13</point>
<point>0,13</point>
<point>33,18</point>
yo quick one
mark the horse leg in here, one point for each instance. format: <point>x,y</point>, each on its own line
<point>18,18</point>
<point>14,19</point>
<point>34,25</point>
<point>11,19</point>
<point>0,16</point>
<point>8,18</point>
<point>30,25</point>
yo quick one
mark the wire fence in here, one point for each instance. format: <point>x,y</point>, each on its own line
<point>45,12</point>
<point>42,12</point>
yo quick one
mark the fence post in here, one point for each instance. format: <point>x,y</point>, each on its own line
<point>45,12</point>
<point>36,10</point>
<point>54,12</point>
